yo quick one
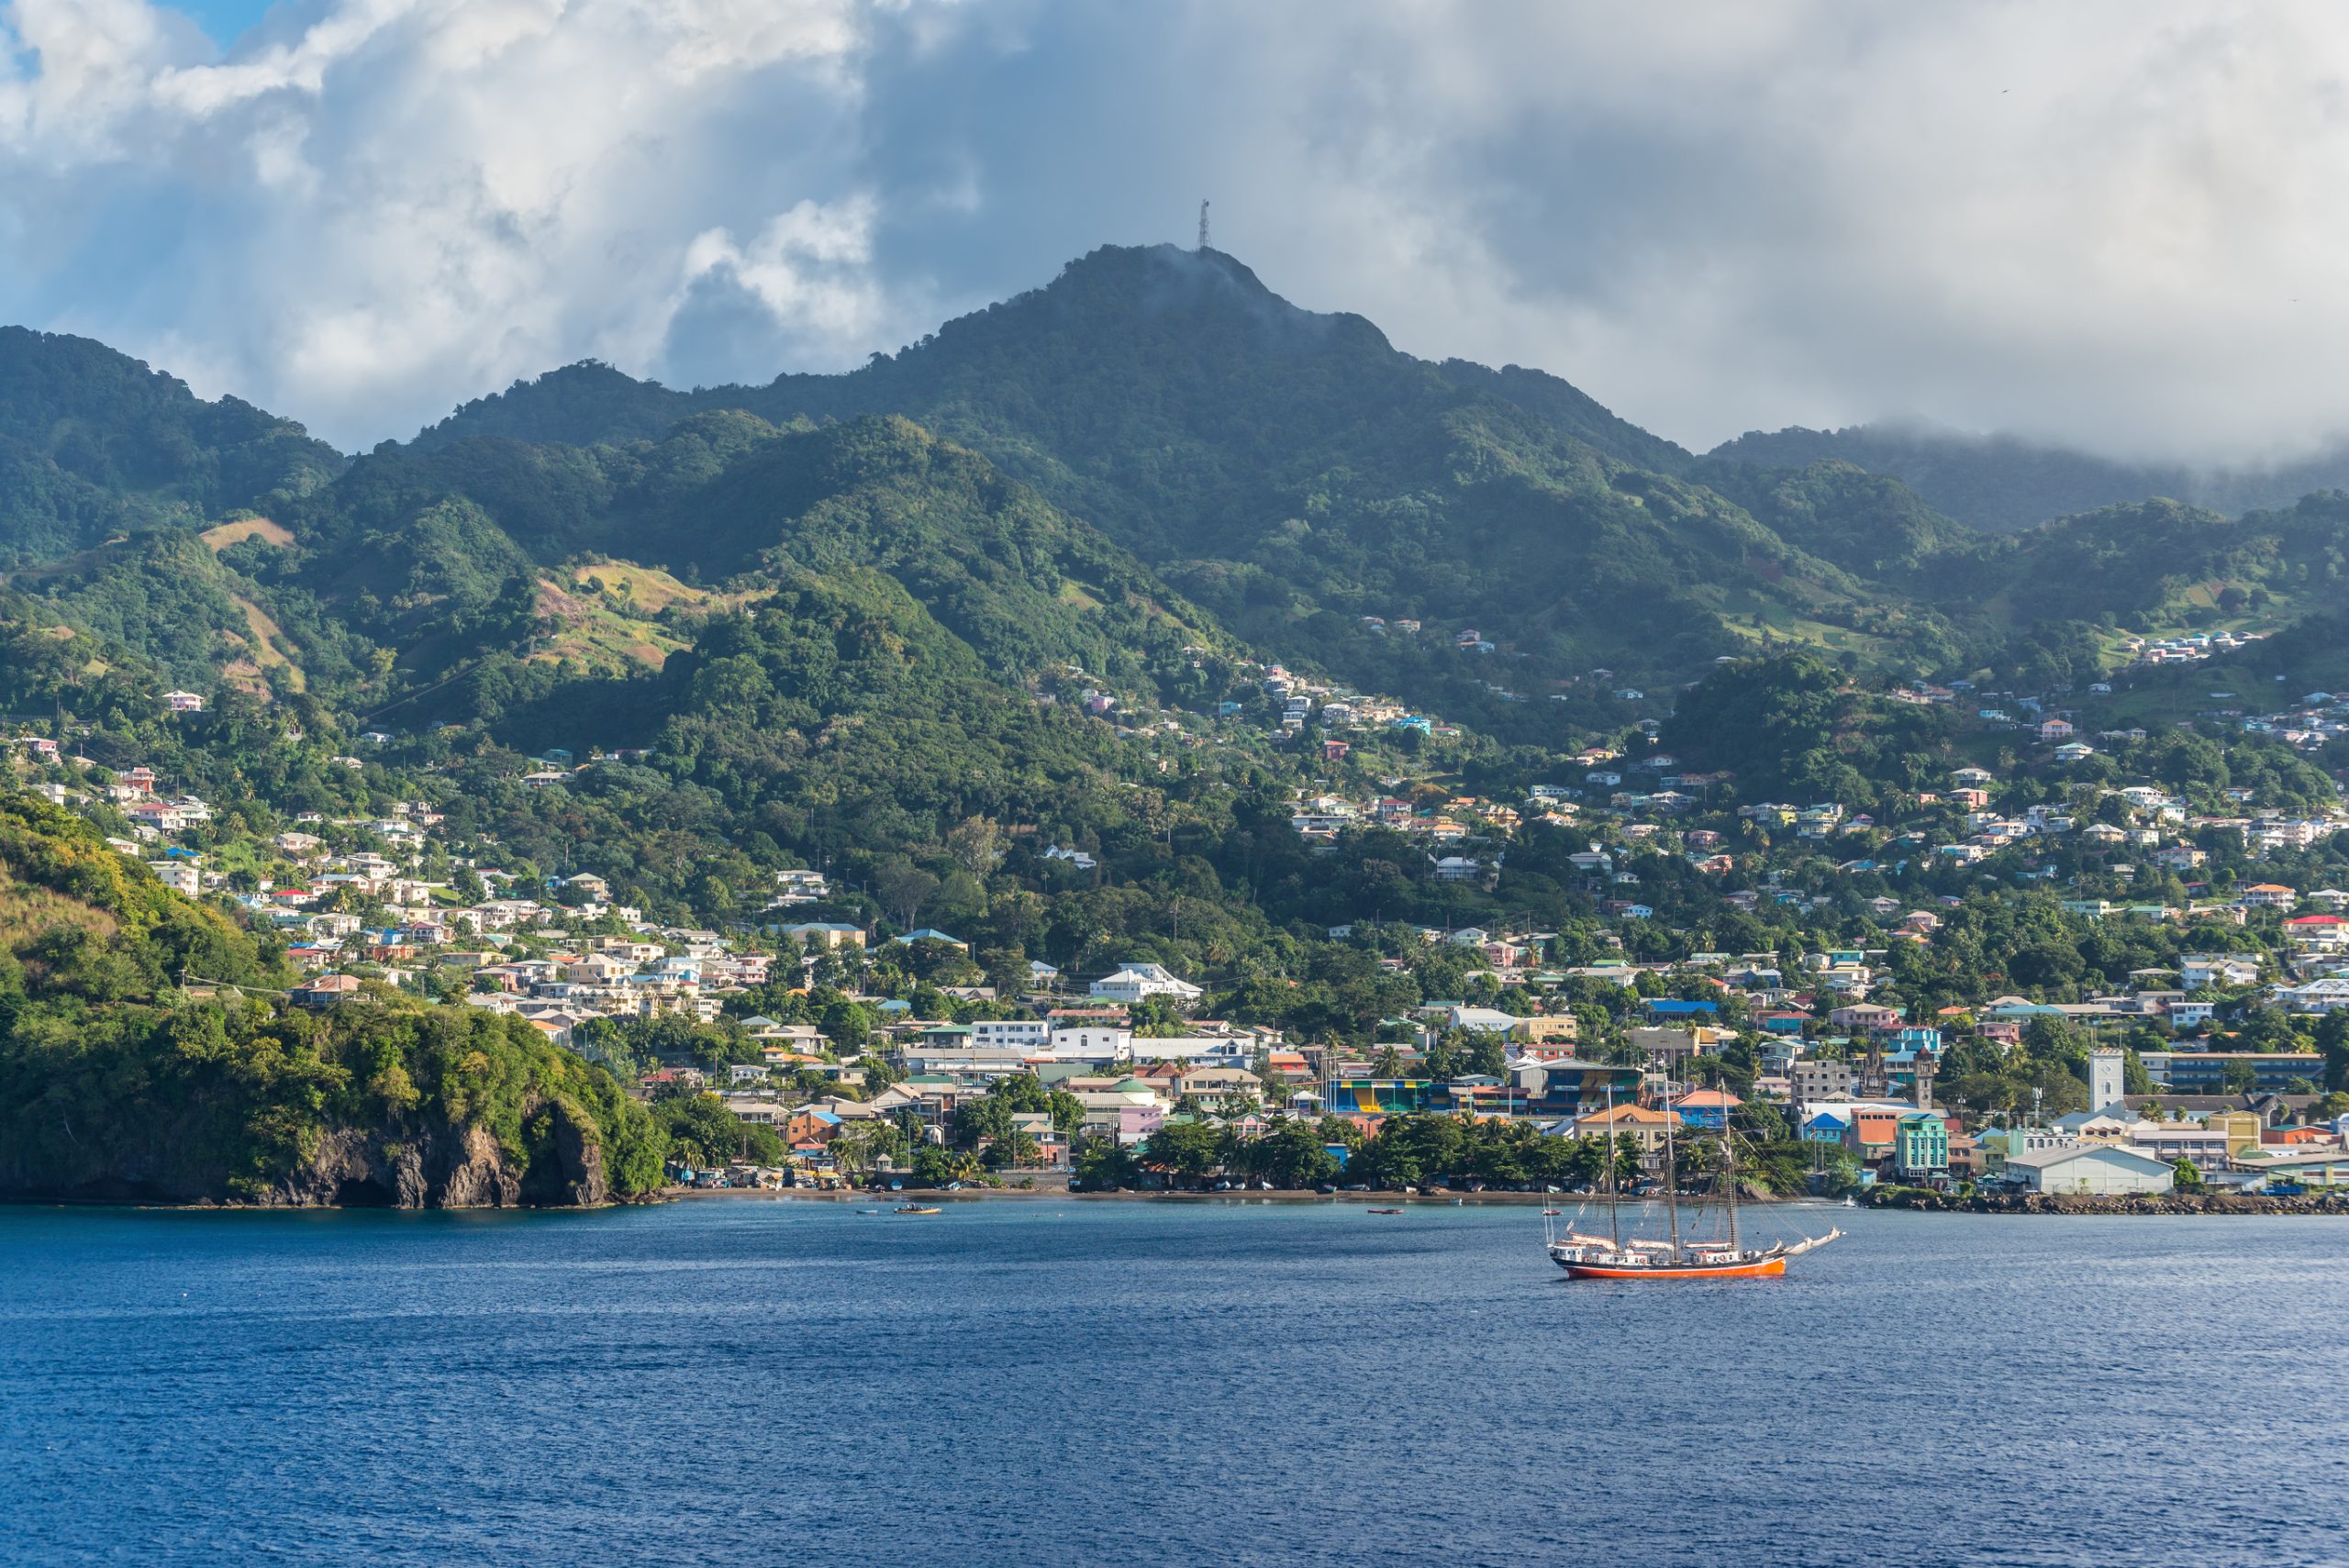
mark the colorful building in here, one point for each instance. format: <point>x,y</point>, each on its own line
<point>1706,1110</point>
<point>1873,1133</point>
<point>1920,1147</point>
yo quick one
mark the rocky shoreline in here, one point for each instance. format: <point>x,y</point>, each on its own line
<point>2075,1203</point>
<point>406,1166</point>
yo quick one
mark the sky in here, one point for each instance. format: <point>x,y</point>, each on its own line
<point>2106,224</point>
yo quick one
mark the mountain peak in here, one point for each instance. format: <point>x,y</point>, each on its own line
<point>1128,289</point>
<point>1183,355</point>
<point>1170,272</point>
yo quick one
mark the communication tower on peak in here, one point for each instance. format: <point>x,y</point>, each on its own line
<point>1203,226</point>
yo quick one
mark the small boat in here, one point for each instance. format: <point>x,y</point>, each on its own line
<point>1849,1204</point>
<point>1552,1213</point>
<point>917,1208</point>
<point>1386,1211</point>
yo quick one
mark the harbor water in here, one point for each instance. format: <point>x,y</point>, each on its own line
<point>1059,1381</point>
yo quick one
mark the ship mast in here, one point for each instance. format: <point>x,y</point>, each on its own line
<point>1614,1182</point>
<point>1729,1154</point>
<point>1672,1178</point>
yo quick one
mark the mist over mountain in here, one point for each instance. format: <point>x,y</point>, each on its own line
<point>1998,484</point>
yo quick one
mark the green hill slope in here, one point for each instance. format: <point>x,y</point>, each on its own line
<point>93,443</point>
<point>131,1064</point>
<point>1295,473</point>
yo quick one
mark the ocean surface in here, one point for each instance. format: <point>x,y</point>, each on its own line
<point>1060,1381</point>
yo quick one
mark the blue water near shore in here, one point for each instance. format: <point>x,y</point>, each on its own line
<point>1063,1382</point>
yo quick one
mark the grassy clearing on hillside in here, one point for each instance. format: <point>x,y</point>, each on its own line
<point>26,911</point>
<point>1781,623</point>
<point>262,638</point>
<point>647,590</point>
<point>586,629</point>
<point>262,529</point>
<point>604,613</point>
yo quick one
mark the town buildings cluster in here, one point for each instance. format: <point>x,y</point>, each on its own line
<point>354,904</point>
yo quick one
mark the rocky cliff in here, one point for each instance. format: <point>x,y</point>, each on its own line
<point>446,1168</point>
<point>406,1166</point>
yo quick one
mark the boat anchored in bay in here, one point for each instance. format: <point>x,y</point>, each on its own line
<point>1615,1256</point>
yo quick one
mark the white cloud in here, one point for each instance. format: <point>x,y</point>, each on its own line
<point>809,267</point>
<point>408,202</point>
<point>2107,222</point>
<point>2090,221</point>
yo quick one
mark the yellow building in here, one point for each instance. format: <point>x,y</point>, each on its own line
<point>2241,1129</point>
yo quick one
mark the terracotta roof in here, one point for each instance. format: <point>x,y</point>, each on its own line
<point>1633,1116</point>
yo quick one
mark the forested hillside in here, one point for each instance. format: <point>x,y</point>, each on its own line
<point>94,444</point>
<point>1152,453</point>
<point>138,1059</point>
<point>1294,473</point>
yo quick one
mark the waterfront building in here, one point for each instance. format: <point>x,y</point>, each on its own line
<point>1920,1148</point>
<point>2088,1169</point>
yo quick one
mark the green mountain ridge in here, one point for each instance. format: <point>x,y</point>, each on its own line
<point>1290,472</point>
<point>1152,453</point>
<point>92,444</point>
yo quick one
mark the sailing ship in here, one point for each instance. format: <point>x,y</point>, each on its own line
<point>1616,1257</point>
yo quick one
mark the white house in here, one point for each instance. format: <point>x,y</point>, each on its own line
<point>2200,969</point>
<point>1015,1034</point>
<point>800,886</point>
<point>183,702</point>
<point>1090,1042</point>
<point>1136,982</point>
<point>2316,997</point>
<point>1195,1050</point>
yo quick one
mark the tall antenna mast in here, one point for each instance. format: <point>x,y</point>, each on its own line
<point>1203,226</point>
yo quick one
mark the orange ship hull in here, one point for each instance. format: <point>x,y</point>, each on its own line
<point>1761,1269</point>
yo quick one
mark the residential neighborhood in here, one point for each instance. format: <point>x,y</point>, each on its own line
<point>861,1040</point>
